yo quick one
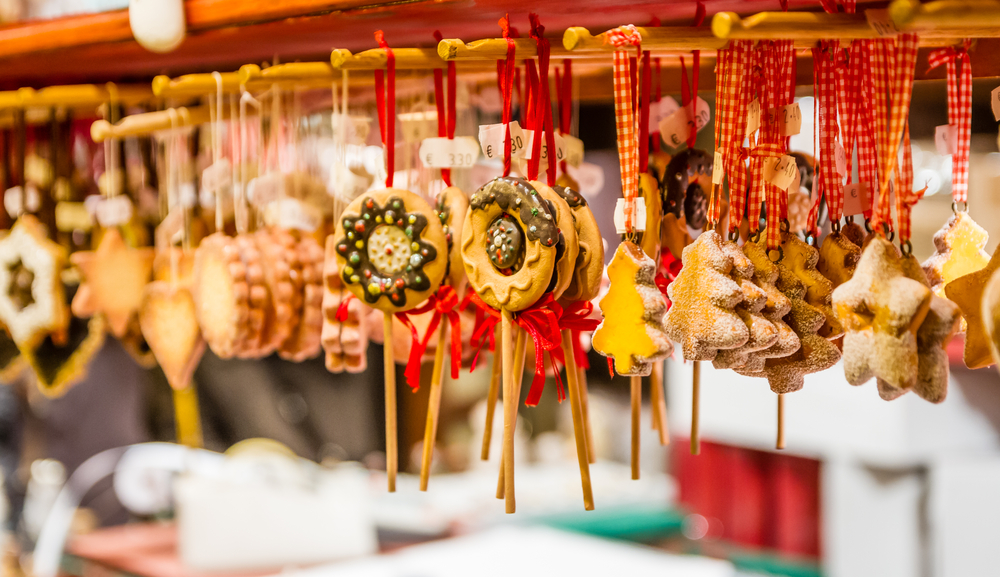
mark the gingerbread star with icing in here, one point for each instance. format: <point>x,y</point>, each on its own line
<point>959,251</point>
<point>114,277</point>
<point>881,309</point>
<point>967,292</point>
<point>32,298</point>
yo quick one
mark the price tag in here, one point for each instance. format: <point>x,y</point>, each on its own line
<point>589,176</point>
<point>109,211</point>
<point>946,139</point>
<point>294,214</point>
<point>638,215</point>
<point>753,116</point>
<point>491,138</point>
<point>417,126</point>
<point>788,118</point>
<point>881,22</point>
<point>660,110</point>
<point>573,150</point>
<point>780,171</point>
<point>461,152</point>
<point>796,185</point>
<point>856,198</point>
<point>217,176</point>
<point>676,128</point>
<point>840,156</point>
<point>995,102</point>
<point>717,169</point>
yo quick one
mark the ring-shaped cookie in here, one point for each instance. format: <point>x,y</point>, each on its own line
<point>391,249</point>
<point>568,245</point>
<point>586,283</point>
<point>451,209</point>
<point>531,229</point>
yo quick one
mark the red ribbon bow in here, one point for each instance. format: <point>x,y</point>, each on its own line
<point>444,304</point>
<point>576,317</point>
<point>484,328</point>
<point>541,322</point>
<point>342,309</point>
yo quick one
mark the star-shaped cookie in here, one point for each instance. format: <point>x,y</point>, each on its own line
<point>881,310</point>
<point>967,292</point>
<point>959,251</point>
<point>113,279</point>
<point>991,315</point>
<point>32,299</point>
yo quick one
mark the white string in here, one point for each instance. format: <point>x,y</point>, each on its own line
<point>217,147</point>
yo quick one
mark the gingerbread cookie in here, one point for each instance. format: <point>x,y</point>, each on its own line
<point>344,338</point>
<point>568,246</point>
<point>589,270</point>
<point>959,251</point>
<point>113,279</point>
<point>838,257</point>
<point>776,307</point>
<point>282,272</point>
<point>702,316</point>
<point>392,249</point>
<point>802,259</point>
<point>221,294</point>
<point>786,374</point>
<point>688,176</point>
<point>169,323</point>
<point>763,333</point>
<point>451,209</point>
<point>632,332</point>
<point>32,298</point>
<point>881,310</point>
<point>509,244</point>
<point>649,239</point>
<point>853,232</point>
<point>306,340</point>
<point>967,292</point>
<point>991,315</point>
<point>567,181</point>
<point>674,235</point>
<point>935,331</point>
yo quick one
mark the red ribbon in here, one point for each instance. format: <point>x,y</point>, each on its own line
<point>564,94</point>
<point>644,113</point>
<point>576,318</point>
<point>670,267</point>
<point>543,105</point>
<point>487,318</point>
<point>505,73</point>
<point>445,106</point>
<point>444,304</point>
<point>342,309</point>
<point>385,101</point>
<point>541,322</point>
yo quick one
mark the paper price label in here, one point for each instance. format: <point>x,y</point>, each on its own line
<point>491,138</point>
<point>294,214</point>
<point>855,198</point>
<point>788,119</point>
<point>660,110</point>
<point>840,157</point>
<point>995,102</point>
<point>881,22</point>
<point>573,148</point>
<point>796,185</point>
<point>753,117</point>
<point>780,171</point>
<point>946,139</point>
<point>217,176</point>
<point>109,212</point>
<point>718,171</point>
<point>461,152</point>
<point>638,215</point>
<point>676,128</point>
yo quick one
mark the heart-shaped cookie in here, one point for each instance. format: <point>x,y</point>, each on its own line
<point>168,322</point>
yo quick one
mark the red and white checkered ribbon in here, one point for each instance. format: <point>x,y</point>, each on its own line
<point>830,183</point>
<point>732,91</point>
<point>893,64</point>
<point>959,111</point>
<point>626,122</point>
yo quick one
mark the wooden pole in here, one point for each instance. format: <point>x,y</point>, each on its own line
<point>510,403</point>
<point>636,407</point>
<point>519,351</point>
<point>780,444</point>
<point>576,407</point>
<point>391,440</point>
<point>658,403</point>
<point>433,405</point>
<point>496,364</point>
<point>585,402</point>
<point>695,407</point>
<point>187,417</point>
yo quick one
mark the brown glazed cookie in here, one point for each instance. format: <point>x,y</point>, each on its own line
<point>586,283</point>
<point>881,310</point>
<point>452,206</point>
<point>568,246</point>
<point>702,317</point>
<point>509,244</point>
<point>391,248</point>
<point>221,294</point>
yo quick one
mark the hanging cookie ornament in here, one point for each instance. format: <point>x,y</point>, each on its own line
<point>967,292</point>
<point>345,320</point>
<point>991,315</point>
<point>802,260</point>
<point>776,307</point>
<point>958,251</point>
<point>762,332</point>
<point>32,299</point>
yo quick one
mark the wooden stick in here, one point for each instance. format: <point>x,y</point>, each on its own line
<point>654,422</point>
<point>433,405</point>
<point>695,407</point>
<point>491,401</point>
<point>781,422</point>
<point>579,40</point>
<point>376,59</point>
<point>510,403</point>
<point>576,408</point>
<point>658,403</point>
<point>187,417</point>
<point>636,407</point>
<point>391,440</point>
<point>585,402</point>
<point>519,352</point>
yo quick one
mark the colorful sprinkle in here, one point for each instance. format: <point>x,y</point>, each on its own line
<point>360,244</point>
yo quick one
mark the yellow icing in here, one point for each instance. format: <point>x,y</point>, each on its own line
<point>623,334</point>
